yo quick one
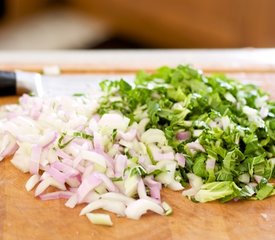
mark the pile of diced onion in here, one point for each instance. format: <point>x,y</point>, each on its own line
<point>103,169</point>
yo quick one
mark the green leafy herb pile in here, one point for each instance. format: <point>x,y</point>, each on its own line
<point>231,122</point>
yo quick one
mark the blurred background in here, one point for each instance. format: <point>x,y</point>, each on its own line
<point>103,24</point>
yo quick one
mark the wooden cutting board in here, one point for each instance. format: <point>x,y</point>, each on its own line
<point>22,216</point>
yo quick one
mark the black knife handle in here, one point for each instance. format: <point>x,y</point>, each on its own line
<point>7,83</point>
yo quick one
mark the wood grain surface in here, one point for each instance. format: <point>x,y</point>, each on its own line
<point>22,216</point>
<point>125,61</point>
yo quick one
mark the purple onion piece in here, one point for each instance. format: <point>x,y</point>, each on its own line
<point>183,135</point>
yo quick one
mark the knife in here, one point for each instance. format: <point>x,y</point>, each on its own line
<point>19,82</point>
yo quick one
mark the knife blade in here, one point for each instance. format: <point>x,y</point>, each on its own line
<point>19,82</point>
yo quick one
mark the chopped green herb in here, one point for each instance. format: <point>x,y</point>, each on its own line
<point>83,135</point>
<point>137,170</point>
<point>62,144</point>
<point>79,94</point>
<point>116,179</point>
<point>235,123</point>
<point>114,133</point>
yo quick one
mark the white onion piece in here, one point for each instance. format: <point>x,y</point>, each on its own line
<point>126,144</point>
<point>252,184</point>
<point>154,136</point>
<point>196,146</point>
<point>128,136</point>
<point>77,161</point>
<point>10,150</point>
<point>44,162</point>
<point>22,126</point>
<point>28,138</point>
<point>146,162</point>
<point>101,189</point>
<point>8,146</point>
<point>136,209</point>
<point>253,116</point>
<point>70,171</point>
<point>57,175</point>
<point>244,178</point>
<point>62,154</point>
<point>93,123</point>
<point>118,197</point>
<point>72,201</point>
<point>142,192</point>
<point>154,187</point>
<point>261,101</point>
<point>197,132</point>
<point>77,123</point>
<point>47,139</point>
<point>114,121</point>
<point>175,186</point>
<point>94,158</point>
<point>46,183</point>
<point>100,219</point>
<point>225,122</point>
<point>91,196</point>
<point>21,158</point>
<point>106,204</point>
<point>44,176</point>
<point>56,195</point>
<point>80,168</point>
<point>73,149</point>
<point>98,141</point>
<point>180,159</point>
<point>214,124</point>
<point>163,156</point>
<point>130,186</point>
<point>88,171</point>
<point>35,159</point>
<point>73,182</point>
<point>272,160</point>
<point>109,160</point>
<point>164,164</point>
<point>166,149</point>
<point>72,189</point>
<point>114,150</point>
<point>120,165</point>
<point>33,180</point>
<point>141,189</point>
<point>210,163</point>
<point>87,185</point>
<point>35,111</point>
<point>108,183</point>
<point>141,148</point>
<point>141,126</point>
<point>264,112</point>
<point>167,208</point>
<point>158,155</point>
<point>229,97</point>
<point>167,177</point>
<point>257,178</point>
<point>69,162</point>
<point>195,182</point>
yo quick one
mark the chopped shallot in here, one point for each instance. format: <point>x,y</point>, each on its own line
<point>136,209</point>
<point>106,204</point>
<point>102,161</point>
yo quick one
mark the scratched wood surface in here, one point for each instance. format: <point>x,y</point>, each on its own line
<point>22,216</point>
